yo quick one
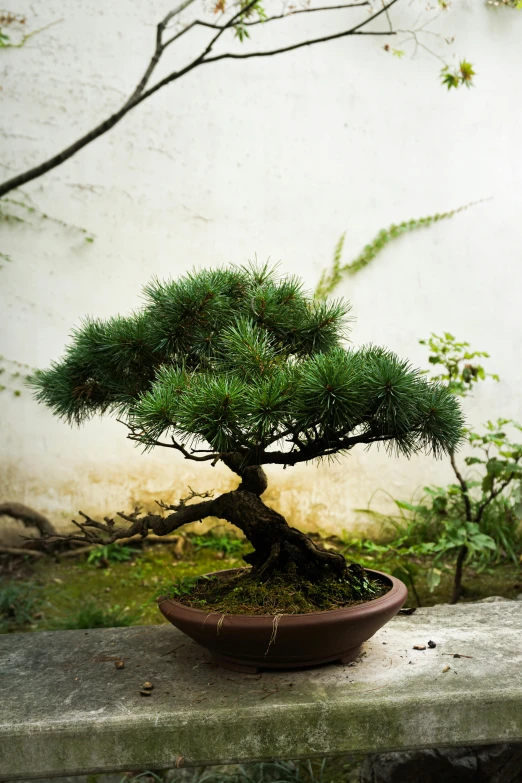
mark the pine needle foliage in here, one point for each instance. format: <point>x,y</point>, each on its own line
<point>243,359</point>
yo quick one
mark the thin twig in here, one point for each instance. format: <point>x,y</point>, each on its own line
<point>141,93</point>
<point>305,11</point>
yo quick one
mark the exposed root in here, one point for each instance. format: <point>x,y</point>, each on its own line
<point>275,626</point>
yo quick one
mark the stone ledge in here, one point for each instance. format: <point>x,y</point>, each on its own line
<point>66,709</point>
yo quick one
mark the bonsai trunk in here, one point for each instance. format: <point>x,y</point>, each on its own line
<point>277,546</point>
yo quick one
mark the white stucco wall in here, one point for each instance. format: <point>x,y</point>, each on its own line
<point>275,157</point>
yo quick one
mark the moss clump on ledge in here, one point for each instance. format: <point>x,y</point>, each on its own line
<point>242,592</point>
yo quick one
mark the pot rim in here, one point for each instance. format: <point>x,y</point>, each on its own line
<point>396,585</point>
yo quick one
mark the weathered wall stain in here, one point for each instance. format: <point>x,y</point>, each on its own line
<point>317,498</point>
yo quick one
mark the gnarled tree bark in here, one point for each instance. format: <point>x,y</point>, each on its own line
<point>278,547</point>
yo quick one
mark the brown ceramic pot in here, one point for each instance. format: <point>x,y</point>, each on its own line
<point>251,642</point>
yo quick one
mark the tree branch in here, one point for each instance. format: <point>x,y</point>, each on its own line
<point>140,93</point>
<point>491,498</point>
<point>107,532</point>
<point>318,448</point>
<point>463,486</point>
<point>311,42</point>
<point>136,435</point>
<point>183,502</point>
<point>306,11</point>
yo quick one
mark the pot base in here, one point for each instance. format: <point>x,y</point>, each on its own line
<point>246,666</point>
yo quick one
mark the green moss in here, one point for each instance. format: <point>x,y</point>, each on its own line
<point>72,583</point>
<point>244,593</point>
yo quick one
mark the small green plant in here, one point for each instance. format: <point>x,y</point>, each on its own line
<point>330,278</point>
<point>19,603</point>
<point>226,545</point>
<point>459,368</point>
<point>478,516</point>
<point>91,616</point>
<point>457,77</point>
<point>180,587</point>
<point>103,556</point>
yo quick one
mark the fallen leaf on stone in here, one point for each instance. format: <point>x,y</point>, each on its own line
<point>419,646</point>
<point>119,664</point>
<point>446,669</point>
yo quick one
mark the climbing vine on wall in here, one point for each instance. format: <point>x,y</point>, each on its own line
<point>13,33</point>
<point>331,277</point>
<point>13,375</point>
<point>14,212</point>
<point>21,210</point>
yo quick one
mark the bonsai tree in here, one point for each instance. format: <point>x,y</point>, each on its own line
<point>241,366</point>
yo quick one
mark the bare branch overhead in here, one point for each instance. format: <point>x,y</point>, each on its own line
<point>143,91</point>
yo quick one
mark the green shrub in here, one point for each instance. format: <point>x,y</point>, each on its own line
<point>109,553</point>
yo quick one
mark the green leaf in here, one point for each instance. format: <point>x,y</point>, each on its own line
<point>407,506</point>
<point>466,73</point>
<point>433,578</point>
<point>473,461</point>
<point>487,483</point>
<point>482,541</point>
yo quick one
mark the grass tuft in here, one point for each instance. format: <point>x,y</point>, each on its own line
<point>91,616</point>
<point>19,603</point>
